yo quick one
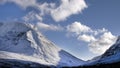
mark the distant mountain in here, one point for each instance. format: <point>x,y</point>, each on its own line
<point>24,42</point>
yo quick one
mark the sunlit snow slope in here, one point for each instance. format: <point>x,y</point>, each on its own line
<point>24,42</point>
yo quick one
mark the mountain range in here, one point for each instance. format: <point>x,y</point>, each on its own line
<point>20,41</point>
<point>23,45</point>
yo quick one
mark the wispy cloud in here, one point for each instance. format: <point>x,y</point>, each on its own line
<point>86,38</point>
<point>101,44</point>
<point>67,8</point>
<point>43,26</point>
<point>78,28</point>
<point>32,16</point>
<point>98,40</point>
<point>58,13</point>
<point>22,3</point>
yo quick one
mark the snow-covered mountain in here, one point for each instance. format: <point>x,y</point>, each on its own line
<point>23,41</point>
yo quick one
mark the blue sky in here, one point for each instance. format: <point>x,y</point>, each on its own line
<point>85,28</point>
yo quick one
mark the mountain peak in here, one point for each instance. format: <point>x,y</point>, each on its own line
<point>22,41</point>
<point>13,27</point>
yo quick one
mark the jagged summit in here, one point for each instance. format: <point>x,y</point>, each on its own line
<point>23,41</point>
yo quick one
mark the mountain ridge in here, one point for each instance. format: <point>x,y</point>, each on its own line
<point>23,40</point>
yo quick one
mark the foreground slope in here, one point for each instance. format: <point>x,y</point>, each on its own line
<point>22,41</point>
<point>10,63</point>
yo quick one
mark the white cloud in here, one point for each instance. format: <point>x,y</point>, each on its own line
<point>58,13</point>
<point>78,28</point>
<point>86,38</point>
<point>45,8</point>
<point>22,3</point>
<point>38,17</point>
<point>67,8</point>
<point>43,26</point>
<point>98,40</point>
<point>100,31</point>
<point>101,44</point>
<point>32,16</point>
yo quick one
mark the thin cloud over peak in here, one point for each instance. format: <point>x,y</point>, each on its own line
<point>43,26</point>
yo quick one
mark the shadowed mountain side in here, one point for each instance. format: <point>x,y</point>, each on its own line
<point>109,65</point>
<point>13,63</point>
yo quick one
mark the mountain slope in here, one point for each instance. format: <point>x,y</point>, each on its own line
<point>10,63</point>
<point>24,42</point>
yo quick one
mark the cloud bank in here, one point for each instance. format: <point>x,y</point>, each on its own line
<point>98,40</point>
<point>58,13</point>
